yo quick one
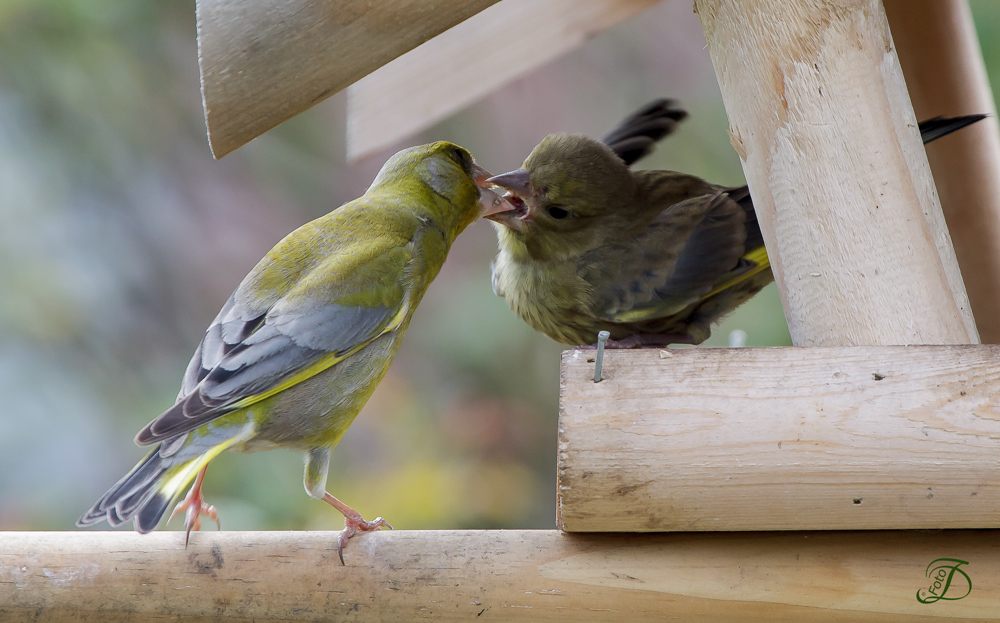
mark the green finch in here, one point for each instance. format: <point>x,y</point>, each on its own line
<point>304,340</point>
<point>653,257</point>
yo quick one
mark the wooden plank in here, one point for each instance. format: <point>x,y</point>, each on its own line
<point>113,577</point>
<point>820,116</point>
<point>263,62</point>
<point>945,75</point>
<point>437,79</point>
<point>781,439</point>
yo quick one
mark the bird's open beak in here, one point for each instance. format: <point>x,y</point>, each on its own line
<point>518,186</point>
<point>490,201</point>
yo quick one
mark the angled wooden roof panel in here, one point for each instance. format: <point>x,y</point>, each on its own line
<point>263,62</point>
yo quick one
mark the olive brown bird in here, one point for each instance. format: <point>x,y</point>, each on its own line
<point>653,257</point>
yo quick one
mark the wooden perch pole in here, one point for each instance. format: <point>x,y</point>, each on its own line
<point>116,577</point>
<point>820,116</point>
<point>888,437</point>
<point>939,51</point>
<point>263,62</point>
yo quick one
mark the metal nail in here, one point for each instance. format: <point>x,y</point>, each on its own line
<point>602,337</point>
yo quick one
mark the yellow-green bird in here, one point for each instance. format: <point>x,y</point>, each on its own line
<point>653,257</point>
<point>304,340</point>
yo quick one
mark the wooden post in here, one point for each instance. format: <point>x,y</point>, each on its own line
<point>820,116</point>
<point>263,62</point>
<point>114,577</point>
<point>887,437</point>
<point>939,52</point>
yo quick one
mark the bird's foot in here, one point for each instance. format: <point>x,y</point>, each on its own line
<point>640,340</point>
<point>632,341</point>
<point>195,506</point>
<point>353,522</point>
<point>352,525</point>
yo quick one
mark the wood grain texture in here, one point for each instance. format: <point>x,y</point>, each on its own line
<point>781,439</point>
<point>469,61</point>
<point>114,577</point>
<point>939,51</point>
<point>264,62</point>
<point>817,103</point>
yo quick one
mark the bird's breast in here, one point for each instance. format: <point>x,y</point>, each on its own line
<point>551,298</point>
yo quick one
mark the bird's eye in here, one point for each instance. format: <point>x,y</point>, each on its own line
<point>558,212</point>
<point>461,157</point>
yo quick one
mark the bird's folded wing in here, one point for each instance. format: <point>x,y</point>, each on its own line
<point>249,354</point>
<point>674,262</point>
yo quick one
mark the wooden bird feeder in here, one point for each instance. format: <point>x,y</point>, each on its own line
<point>809,483</point>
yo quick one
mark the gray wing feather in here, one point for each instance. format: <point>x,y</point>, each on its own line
<point>288,342</point>
<point>232,324</point>
<point>277,348</point>
<point>331,327</point>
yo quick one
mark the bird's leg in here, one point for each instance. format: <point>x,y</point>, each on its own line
<point>317,467</point>
<point>353,521</point>
<point>195,506</point>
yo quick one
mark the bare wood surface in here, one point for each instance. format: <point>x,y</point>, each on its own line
<point>113,577</point>
<point>820,115</point>
<point>781,439</point>
<point>437,79</point>
<point>263,62</point>
<point>939,51</point>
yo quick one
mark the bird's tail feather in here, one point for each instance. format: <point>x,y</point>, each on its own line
<point>752,263</point>
<point>636,135</point>
<point>742,196</point>
<point>936,127</point>
<point>145,493</point>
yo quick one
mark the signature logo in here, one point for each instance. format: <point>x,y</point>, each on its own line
<point>948,581</point>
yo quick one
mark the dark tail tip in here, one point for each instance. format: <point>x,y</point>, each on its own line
<point>135,496</point>
<point>150,514</point>
<point>935,128</point>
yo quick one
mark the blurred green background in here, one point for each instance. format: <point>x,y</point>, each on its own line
<point>120,238</point>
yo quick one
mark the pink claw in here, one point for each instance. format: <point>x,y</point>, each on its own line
<point>195,506</point>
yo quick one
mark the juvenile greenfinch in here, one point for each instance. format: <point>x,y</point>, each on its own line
<point>653,257</point>
<point>304,340</point>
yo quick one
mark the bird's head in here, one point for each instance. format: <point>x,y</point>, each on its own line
<point>442,171</point>
<point>558,198</point>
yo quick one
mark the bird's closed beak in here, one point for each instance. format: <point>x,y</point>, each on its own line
<point>480,174</point>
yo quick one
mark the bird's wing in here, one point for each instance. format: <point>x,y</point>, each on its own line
<point>249,354</point>
<point>681,257</point>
